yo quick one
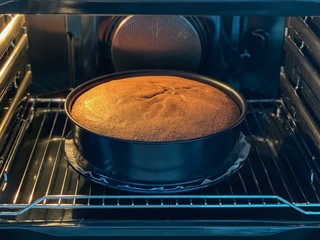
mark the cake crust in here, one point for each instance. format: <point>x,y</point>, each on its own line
<point>155,109</point>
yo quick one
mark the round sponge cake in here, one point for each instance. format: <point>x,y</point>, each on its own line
<point>155,108</point>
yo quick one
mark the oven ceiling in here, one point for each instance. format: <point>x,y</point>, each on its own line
<point>181,7</point>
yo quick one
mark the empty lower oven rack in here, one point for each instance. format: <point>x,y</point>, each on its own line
<point>281,172</point>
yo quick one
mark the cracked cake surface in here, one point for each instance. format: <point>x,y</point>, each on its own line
<point>155,108</point>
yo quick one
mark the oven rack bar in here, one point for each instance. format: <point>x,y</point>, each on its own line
<point>282,171</point>
<point>38,204</point>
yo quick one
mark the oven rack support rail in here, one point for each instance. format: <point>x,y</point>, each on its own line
<point>279,202</point>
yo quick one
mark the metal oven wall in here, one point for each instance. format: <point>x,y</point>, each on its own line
<point>245,52</point>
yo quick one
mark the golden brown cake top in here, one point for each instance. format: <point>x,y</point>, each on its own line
<point>155,108</point>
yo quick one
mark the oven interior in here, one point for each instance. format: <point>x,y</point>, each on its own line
<point>273,61</point>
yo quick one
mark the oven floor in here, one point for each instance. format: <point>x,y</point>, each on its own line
<point>279,181</point>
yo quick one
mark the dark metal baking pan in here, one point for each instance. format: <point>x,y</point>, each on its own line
<point>158,164</point>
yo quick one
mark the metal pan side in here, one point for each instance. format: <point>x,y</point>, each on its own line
<point>158,163</point>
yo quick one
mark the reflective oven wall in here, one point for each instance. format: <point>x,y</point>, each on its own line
<point>245,52</point>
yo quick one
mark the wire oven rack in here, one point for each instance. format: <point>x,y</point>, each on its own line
<point>281,171</point>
